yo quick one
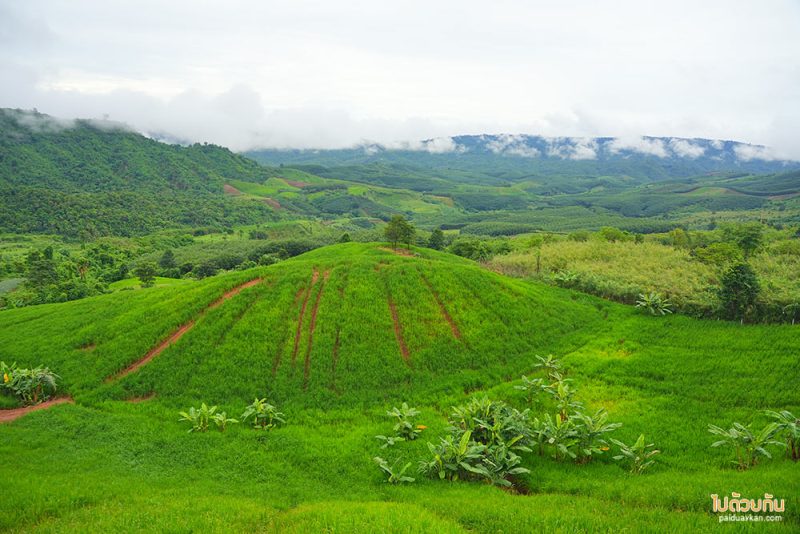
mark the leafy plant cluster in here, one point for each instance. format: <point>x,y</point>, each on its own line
<point>750,445</point>
<point>264,416</point>
<point>31,386</point>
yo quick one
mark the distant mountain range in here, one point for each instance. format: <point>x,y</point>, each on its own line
<point>649,158</point>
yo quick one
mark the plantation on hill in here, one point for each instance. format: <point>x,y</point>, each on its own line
<point>335,338</point>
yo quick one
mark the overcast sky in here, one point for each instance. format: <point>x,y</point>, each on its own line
<point>337,73</point>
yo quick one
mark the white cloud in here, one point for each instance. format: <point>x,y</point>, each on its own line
<point>686,149</point>
<point>441,145</point>
<point>577,148</point>
<point>513,145</point>
<point>334,73</point>
<point>642,145</point>
<point>751,152</point>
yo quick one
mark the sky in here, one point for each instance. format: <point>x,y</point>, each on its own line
<point>331,74</point>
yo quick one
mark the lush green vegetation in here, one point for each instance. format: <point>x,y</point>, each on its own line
<point>339,336</point>
<point>689,269</point>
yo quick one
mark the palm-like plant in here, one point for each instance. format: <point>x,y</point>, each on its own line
<point>532,387</point>
<point>639,455</point>
<point>405,426</point>
<point>393,475</point>
<point>451,458</point>
<point>560,435</point>
<point>654,304</point>
<point>265,415</point>
<point>789,427</point>
<point>31,385</point>
<point>199,418</point>
<point>590,432</point>
<point>749,446</point>
<point>222,421</point>
<point>549,363</point>
<point>564,397</point>
<point>389,441</point>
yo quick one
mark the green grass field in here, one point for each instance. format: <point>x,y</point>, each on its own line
<point>337,336</point>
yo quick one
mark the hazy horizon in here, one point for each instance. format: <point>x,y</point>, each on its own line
<point>338,75</point>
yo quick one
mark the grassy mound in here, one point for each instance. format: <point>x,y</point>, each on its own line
<point>335,350</point>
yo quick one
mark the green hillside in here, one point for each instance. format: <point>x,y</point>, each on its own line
<point>337,336</point>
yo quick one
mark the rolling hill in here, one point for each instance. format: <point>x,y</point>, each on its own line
<point>337,336</point>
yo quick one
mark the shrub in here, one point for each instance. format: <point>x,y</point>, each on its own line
<point>32,386</point>
<point>483,442</point>
<point>639,455</point>
<point>654,304</point>
<point>405,426</point>
<point>748,446</point>
<point>265,415</point>
<point>222,421</point>
<point>590,432</point>
<point>199,418</point>
<point>393,475</point>
<point>789,428</point>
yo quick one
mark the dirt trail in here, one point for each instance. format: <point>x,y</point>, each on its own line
<point>314,278</point>
<point>137,400</point>
<point>230,190</point>
<point>445,314</point>
<point>398,329</point>
<point>311,328</point>
<point>175,336</point>
<point>7,416</point>
<point>399,251</point>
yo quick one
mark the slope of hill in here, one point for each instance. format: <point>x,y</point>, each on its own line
<point>337,336</point>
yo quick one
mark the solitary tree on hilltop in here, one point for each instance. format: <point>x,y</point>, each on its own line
<point>399,230</point>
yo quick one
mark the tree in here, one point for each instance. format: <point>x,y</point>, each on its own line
<point>436,241</point>
<point>146,273</point>
<point>749,237</point>
<point>167,260</point>
<point>399,230</point>
<point>739,290</point>
<point>345,238</point>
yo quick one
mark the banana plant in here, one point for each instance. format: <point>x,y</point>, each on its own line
<point>32,386</point>
<point>265,415</point>
<point>654,304</point>
<point>222,421</point>
<point>199,418</point>
<point>749,446</point>
<point>789,427</point>
<point>590,432</point>
<point>405,426</point>
<point>533,387</point>
<point>564,395</point>
<point>393,475</point>
<point>452,459</point>
<point>560,435</point>
<point>389,441</point>
<point>549,363</point>
<point>499,464</point>
<point>639,455</point>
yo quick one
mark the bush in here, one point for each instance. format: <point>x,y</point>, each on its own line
<point>32,386</point>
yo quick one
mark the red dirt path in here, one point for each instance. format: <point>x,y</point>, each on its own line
<point>7,416</point>
<point>398,329</point>
<point>445,314</point>
<point>314,277</point>
<point>230,190</point>
<point>311,328</point>
<point>175,336</point>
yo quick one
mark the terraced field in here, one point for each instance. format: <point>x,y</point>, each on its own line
<point>336,337</point>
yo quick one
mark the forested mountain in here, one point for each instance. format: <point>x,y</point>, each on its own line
<point>89,178</point>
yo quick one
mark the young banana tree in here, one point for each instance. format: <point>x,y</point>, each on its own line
<point>265,415</point>
<point>590,432</point>
<point>394,476</point>
<point>789,427</point>
<point>749,446</point>
<point>199,418</point>
<point>405,426</point>
<point>639,455</point>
